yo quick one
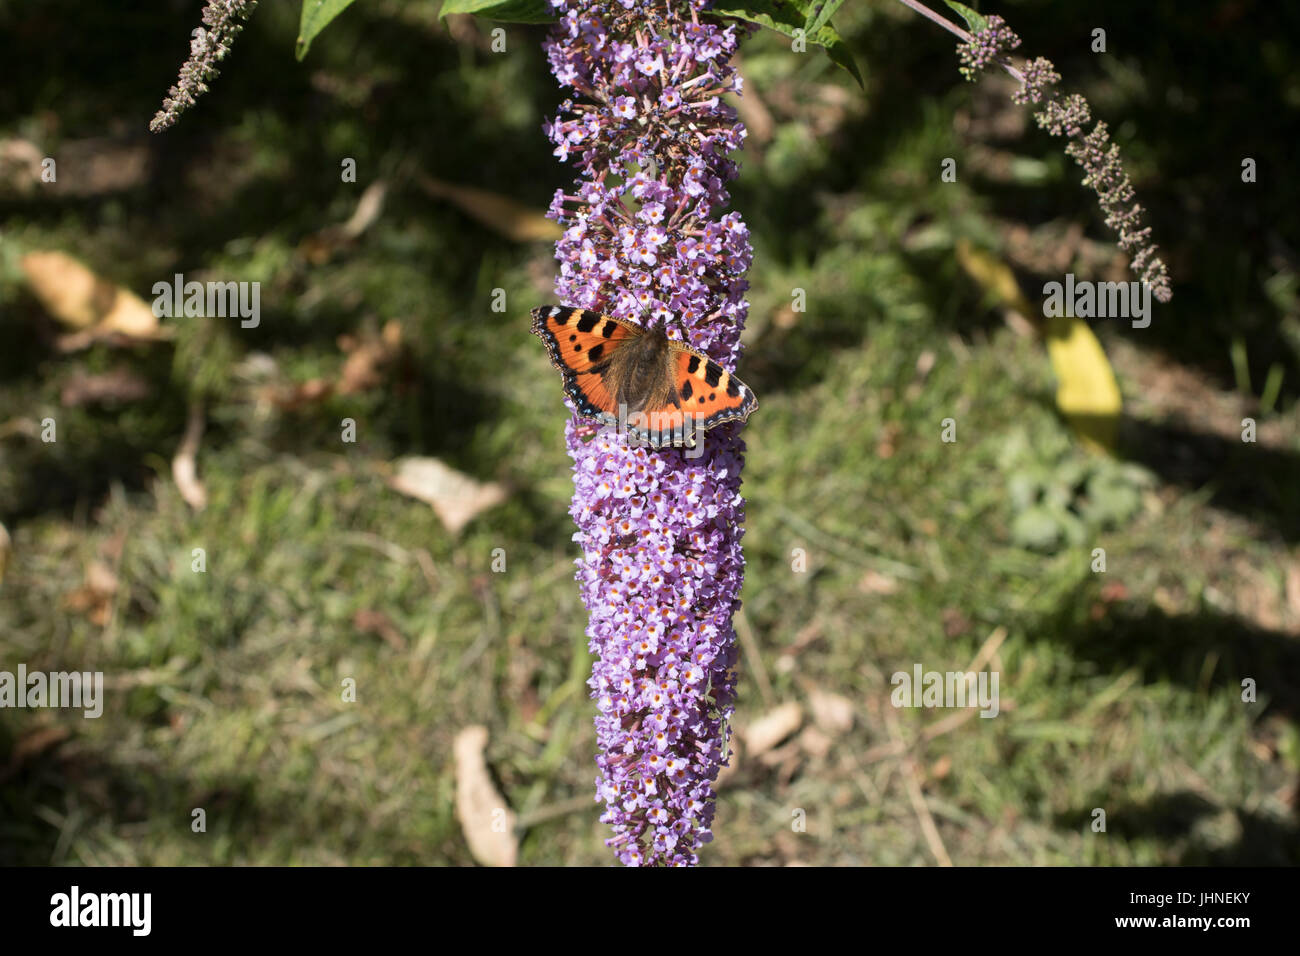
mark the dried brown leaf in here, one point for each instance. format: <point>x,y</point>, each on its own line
<point>814,742</point>
<point>368,358</point>
<point>831,712</point>
<point>31,744</point>
<point>372,621</point>
<point>185,470</point>
<point>486,821</point>
<point>455,497</point>
<point>320,246</point>
<point>95,597</point>
<point>20,166</point>
<point>107,388</point>
<point>6,548</point>
<point>873,582</point>
<point>75,296</point>
<point>292,397</point>
<point>772,728</point>
<point>511,219</point>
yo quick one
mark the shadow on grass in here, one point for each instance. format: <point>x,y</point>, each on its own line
<point>49,799</point>
<point>1249,478</point>
<point>1205,652</point>
<point>1176,817</point>
<point>95,447</point>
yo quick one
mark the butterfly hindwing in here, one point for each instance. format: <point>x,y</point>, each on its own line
<point>582,345</point>
<point>706,390</point>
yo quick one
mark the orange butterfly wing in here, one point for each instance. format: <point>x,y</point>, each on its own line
<point>580,344</point>
<point>707,391</point>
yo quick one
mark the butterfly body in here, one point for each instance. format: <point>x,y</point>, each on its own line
<point>637,373</point>
<point>619,373</point>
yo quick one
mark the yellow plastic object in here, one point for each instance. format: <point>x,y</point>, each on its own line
<point>1087,394</point>
<point>1086,391</point>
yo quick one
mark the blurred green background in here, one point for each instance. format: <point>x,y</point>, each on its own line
<point>1120,691</point>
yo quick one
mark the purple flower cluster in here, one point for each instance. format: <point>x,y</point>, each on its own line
<point>660,530</point>
<point>1039,77</point>
<point>987,47</point>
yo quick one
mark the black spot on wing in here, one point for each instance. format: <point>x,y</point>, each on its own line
<point>588,321</point>
<point>595,352</point>
<point>686,391</point>
<point>732,389</point>
<point>713,374</point>
<point>609,327</point>
<point>692,365</point>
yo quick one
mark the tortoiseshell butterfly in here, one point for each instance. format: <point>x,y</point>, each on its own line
<point>666,392</point>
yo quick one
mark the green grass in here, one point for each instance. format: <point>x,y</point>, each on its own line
<point>1120,691</point>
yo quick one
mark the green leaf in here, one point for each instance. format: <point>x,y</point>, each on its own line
<point>504,11</point>
<point>825,11</point>
<point>316,16</point>
<point>975,21</point>
<point>1023,491</point>
<point>787,16</point>
<point>1111,500</point>
<point>1037,528</point>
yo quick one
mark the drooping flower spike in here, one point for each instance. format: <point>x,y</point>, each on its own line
<point>223,19</point>
<point>1069,115</point>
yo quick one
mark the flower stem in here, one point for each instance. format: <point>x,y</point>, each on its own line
<point>956,31</point>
